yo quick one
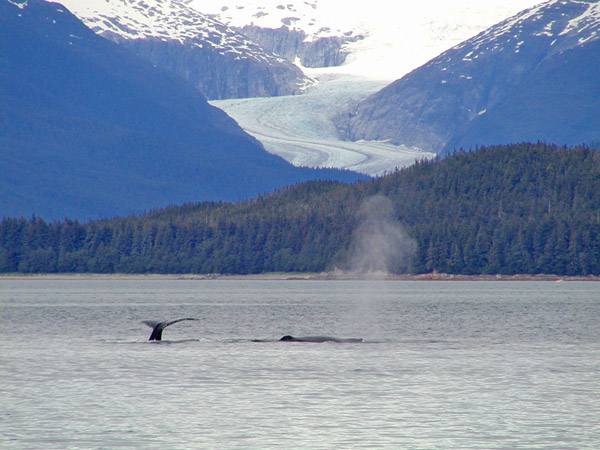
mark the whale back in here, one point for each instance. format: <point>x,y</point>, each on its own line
<point>319,339</point>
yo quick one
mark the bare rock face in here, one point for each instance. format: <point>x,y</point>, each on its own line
<point>324,52</point>
<point>220,75</point>
<point>281,41</point>
<point>291,44</point>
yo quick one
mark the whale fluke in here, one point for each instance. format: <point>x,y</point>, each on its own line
<point>158,327</point>
<point>288,338</point>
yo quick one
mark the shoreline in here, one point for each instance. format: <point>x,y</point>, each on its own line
<point>288,276</point>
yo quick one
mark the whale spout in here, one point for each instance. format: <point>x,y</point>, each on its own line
<point>158,327</point>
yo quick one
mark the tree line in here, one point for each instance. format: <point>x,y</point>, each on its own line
<point>524,208</point>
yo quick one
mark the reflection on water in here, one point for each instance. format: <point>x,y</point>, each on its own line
<point>458,365</point>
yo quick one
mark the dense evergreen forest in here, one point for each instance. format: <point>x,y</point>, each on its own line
<point>525,208</point>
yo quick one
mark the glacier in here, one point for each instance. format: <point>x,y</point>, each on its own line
<point>301,130</point>
<point>397,37</point>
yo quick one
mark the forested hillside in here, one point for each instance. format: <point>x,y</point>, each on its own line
<point>526,208</point>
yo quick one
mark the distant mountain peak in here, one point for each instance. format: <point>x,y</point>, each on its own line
<point>382,39</point>
<point>172,20</point>
<point>427,107</point>
<point>313,17</point>
<point>572,22</point>
<point>218,60</point>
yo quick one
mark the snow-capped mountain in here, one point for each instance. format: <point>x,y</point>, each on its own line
<point>378,39</point>
<point>381,39</point>
<point>302,32</point>
<point>388,40</point>
<point>316,18</point>
<point>219,61</point>
<point>335,42</point>
<point>429,106</point>
<point>559,102</point>
<point>87,129</point>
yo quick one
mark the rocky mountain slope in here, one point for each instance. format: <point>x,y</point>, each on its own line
<point>301,32</point>
<point>559,102</point>
<point>87,129</point>
<point>219,61</point>
<point>293,45</point>
<point>538,58</point>
<point>379,39</point>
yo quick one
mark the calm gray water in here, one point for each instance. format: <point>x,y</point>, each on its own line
<point>457,365</point>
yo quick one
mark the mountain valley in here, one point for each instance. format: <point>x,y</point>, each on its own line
<point>342,57</point>
<point>310,85</point>
<point>89,130</point>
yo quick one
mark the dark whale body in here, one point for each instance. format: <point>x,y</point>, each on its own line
<point>288,338</point>
<point>158,327</point>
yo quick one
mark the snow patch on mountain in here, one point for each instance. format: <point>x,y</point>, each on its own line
<point>167,20</point>
<point>430,106</point>
<point>20,5</point>
<point>587,24</point>
<point>515,31</point>
<point>316,18</point>
<point>398,36</point>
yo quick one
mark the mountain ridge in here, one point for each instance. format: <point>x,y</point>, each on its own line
<point>90,130</point>
<point>218,60</point>
<point>562,105</point>
<point>427,106</point>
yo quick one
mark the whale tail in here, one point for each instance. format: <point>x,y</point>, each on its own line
<point>158,327</point>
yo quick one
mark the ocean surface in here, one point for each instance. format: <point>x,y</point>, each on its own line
<point>443,365</point>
